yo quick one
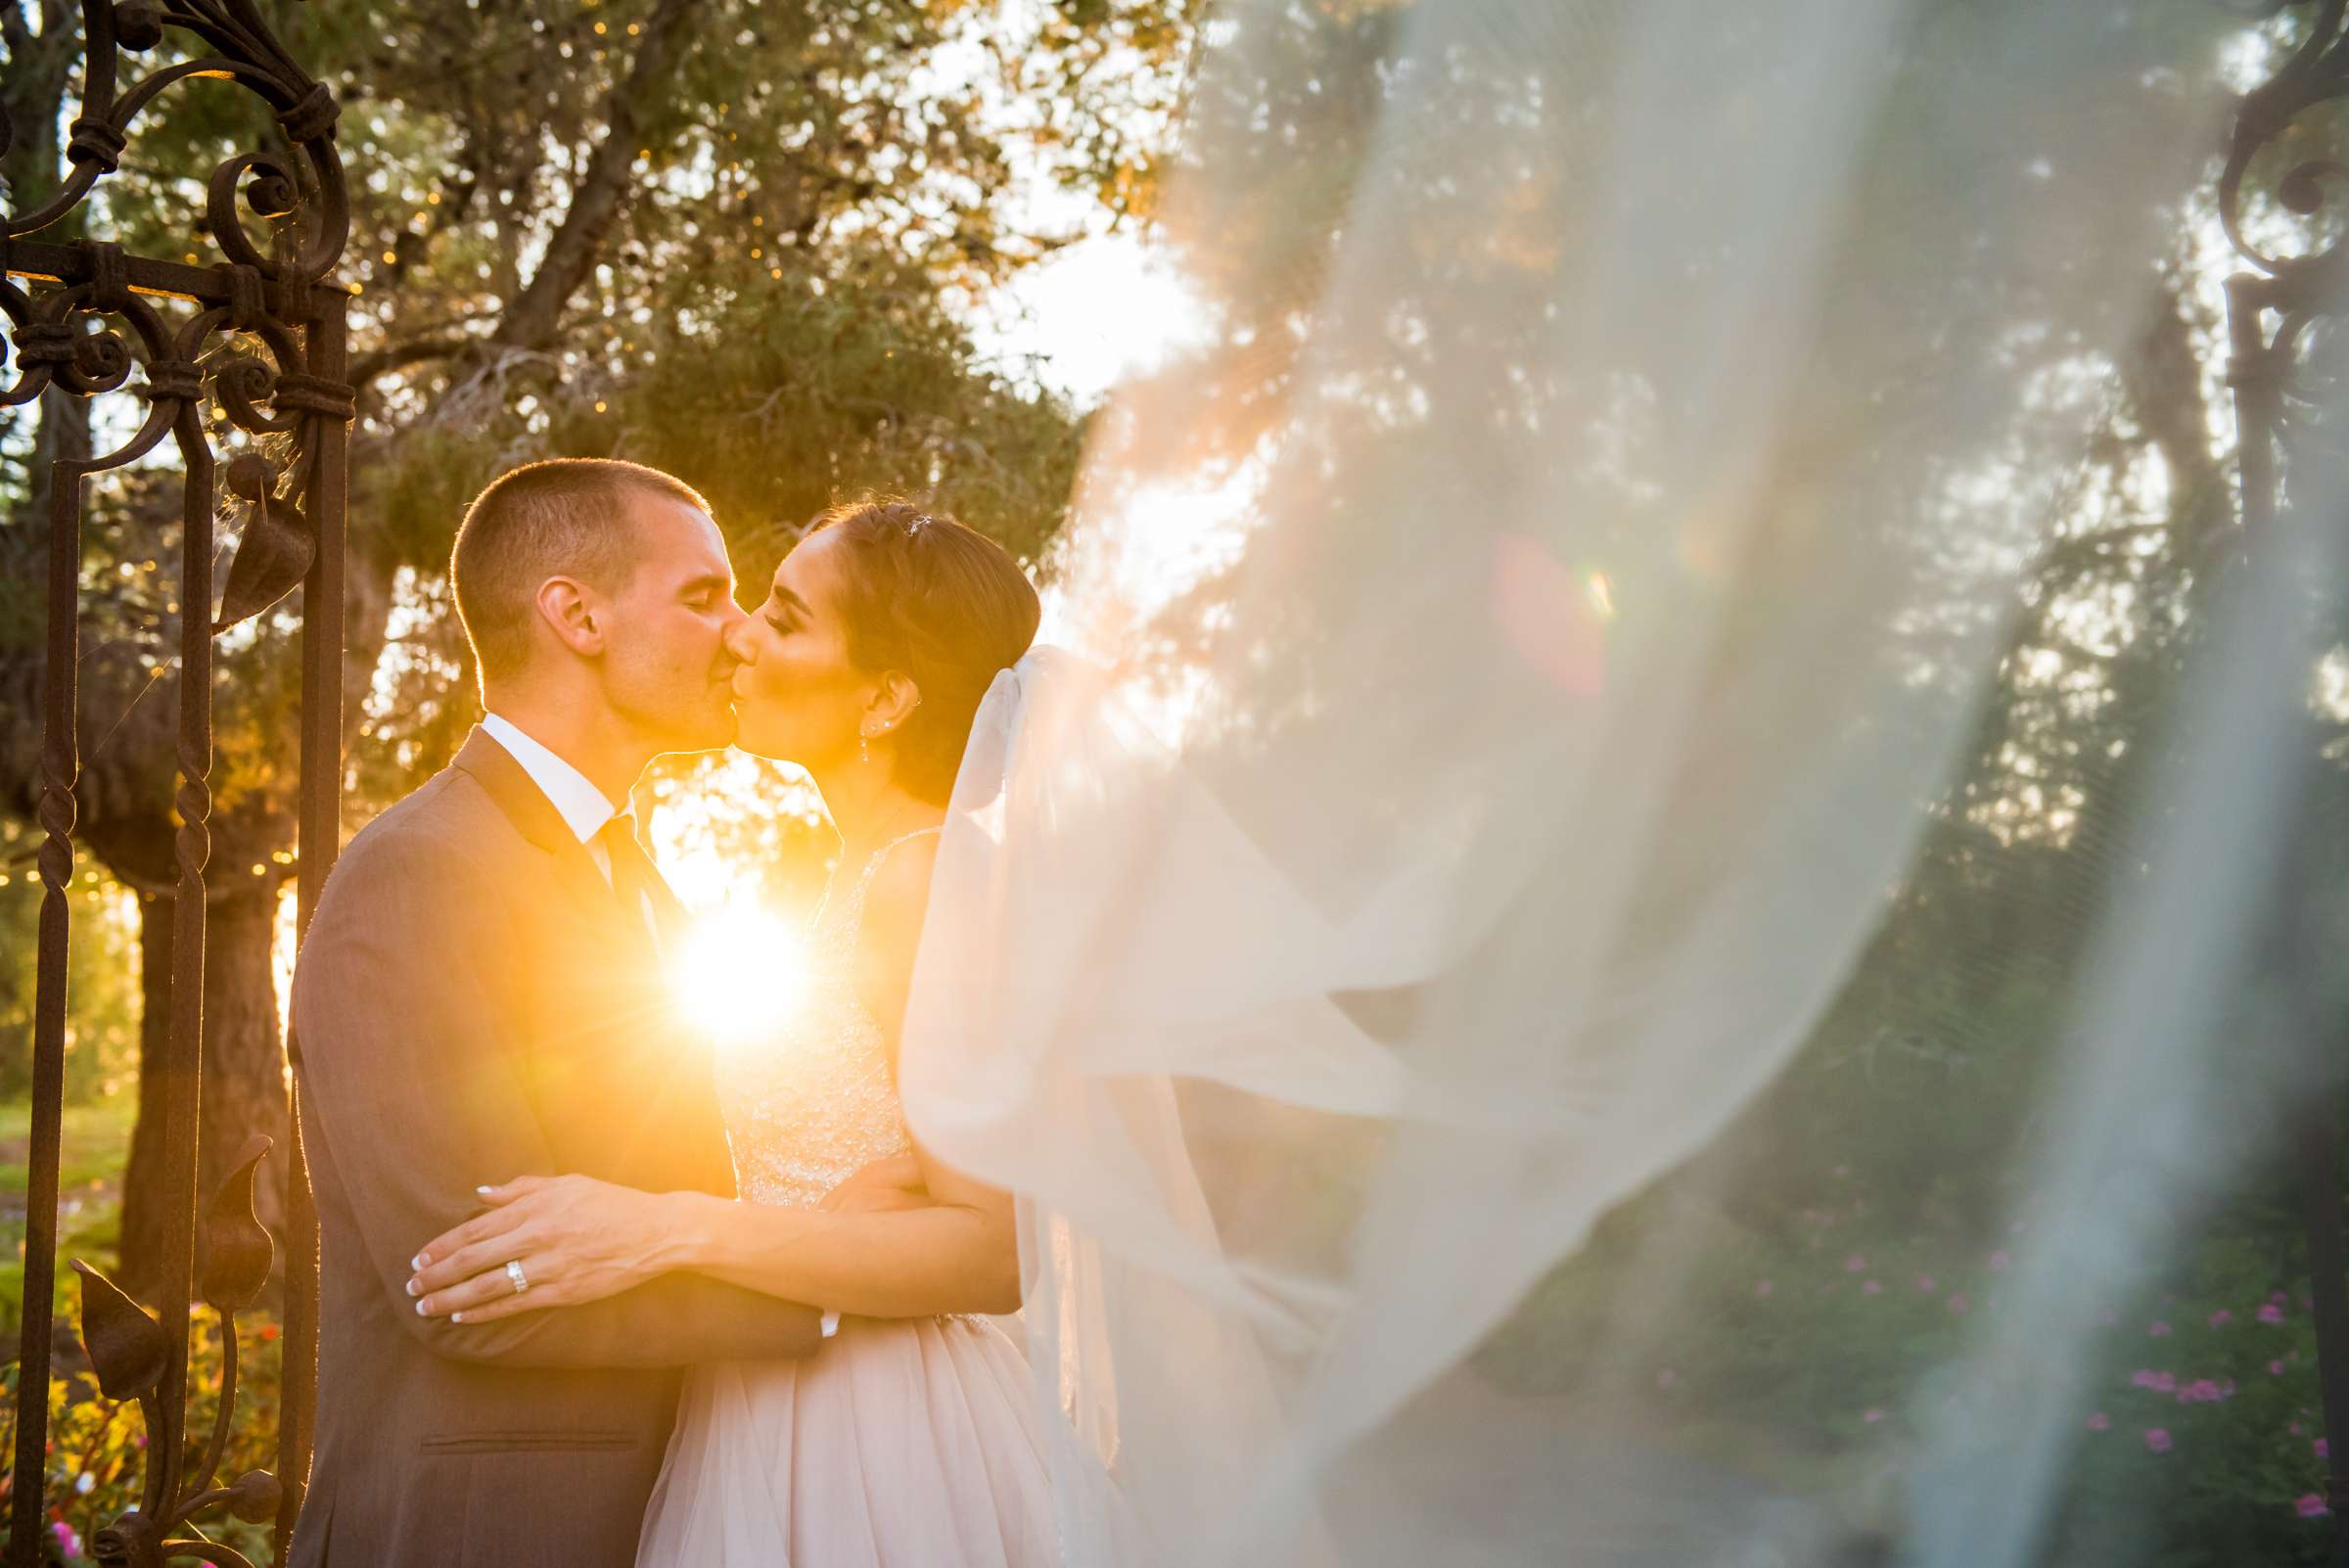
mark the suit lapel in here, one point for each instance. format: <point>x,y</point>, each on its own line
<point>526,807</point>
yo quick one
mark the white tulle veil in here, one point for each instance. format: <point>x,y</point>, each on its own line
<point>1501,688</point>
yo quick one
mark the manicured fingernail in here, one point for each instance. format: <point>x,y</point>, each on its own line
<point>456,1318</point>
<point>414,1289</point>
<point>418,1263</point>
<point>485,1191</point>
<point>420,1311</point>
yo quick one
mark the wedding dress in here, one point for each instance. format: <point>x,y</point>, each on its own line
<point>907,1443</point>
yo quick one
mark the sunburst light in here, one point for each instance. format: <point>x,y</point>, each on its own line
<point>740,974</point>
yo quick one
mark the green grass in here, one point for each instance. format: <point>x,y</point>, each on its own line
<point>96,1148</point>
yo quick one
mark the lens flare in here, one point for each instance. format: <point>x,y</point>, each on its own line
<point>739,976</point>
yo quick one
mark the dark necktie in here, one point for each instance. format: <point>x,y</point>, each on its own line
<point>633,879</point>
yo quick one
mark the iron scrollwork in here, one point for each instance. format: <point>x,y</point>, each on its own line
<point>2280,308</point>
<point>81,318</point>
<point>2281,299</point>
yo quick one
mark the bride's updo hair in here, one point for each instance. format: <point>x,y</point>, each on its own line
<point>941,602</point>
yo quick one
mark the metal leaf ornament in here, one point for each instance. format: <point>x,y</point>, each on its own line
<point>237,1248</point>
<point>254,1497</point>
<point>275,553</point>
<point>128,1347</point>
<point>138,24</point>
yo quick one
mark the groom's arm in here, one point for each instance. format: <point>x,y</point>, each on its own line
<point>421,1105</point>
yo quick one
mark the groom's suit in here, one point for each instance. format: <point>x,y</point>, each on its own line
<point>474,1002</point>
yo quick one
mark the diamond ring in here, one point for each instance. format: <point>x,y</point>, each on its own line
<point>522,1281</point>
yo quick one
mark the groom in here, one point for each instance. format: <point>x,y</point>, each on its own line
<point>479,998</point>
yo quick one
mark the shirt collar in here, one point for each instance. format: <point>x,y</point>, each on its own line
<point>583,807</point>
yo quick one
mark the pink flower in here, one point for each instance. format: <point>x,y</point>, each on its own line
<point>1853,1264</point>
<point>2099,1422</point>
<point>1959,1304</point>
<point>67,1542</point>
<point>1924,1282</point>
<point>2221,1319</point>
<point>1871,1288</point>
<point>1999,1260</point>
<point>2311,1507</point>
<point>2274,1368</point>
<point>2157,1439</point>
<point>1761,1288</point>
<point>1843,1170</point>
<point>2323,1449</point>
<point>1871,1417</point>
<point>2201,1391</point>
<point>1667,1377</point>
<point>2158,1382</point>
<point>2277,1297</point>
<point>2159,1331</point>
<point>2271,1314</point>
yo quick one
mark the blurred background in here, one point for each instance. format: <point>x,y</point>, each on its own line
<point>795,252</point>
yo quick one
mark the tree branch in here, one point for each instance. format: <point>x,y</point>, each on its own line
<point>571,256</point>
<point>399,356</point>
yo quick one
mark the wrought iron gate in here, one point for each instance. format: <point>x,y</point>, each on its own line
<point>2273,309</point>
<point>259,334</point>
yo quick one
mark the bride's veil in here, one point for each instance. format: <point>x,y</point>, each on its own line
<point>1510,680</point>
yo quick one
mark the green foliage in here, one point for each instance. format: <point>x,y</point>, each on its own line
<point>98,1447</point>
<point>1800,1346</point>
<point>96,1147</point>
<point>2210,1440</point>
<point>101,1044</point>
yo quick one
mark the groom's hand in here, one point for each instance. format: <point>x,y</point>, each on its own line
<point>881,1187</point>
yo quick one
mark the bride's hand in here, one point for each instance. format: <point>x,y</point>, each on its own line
<point>574,1238</point>
<point>881,1187</point>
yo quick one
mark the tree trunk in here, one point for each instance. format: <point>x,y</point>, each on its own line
<point>244,1053</point>
<point>244,1089</point>
<point>143,1181</point>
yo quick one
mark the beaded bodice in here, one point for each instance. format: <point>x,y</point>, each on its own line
<point>813,1103</point>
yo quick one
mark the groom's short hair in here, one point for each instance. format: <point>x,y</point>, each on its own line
<point>566,517</point>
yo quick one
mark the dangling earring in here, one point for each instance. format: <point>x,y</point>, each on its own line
<point>864,746</point>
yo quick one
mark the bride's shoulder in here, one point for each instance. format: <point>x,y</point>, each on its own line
<point>894,901</point>
<point>900,887</point>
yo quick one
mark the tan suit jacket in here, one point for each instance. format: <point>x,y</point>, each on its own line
<point>472,1003</point>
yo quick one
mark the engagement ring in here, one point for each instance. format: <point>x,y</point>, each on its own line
<point>521,1280</point>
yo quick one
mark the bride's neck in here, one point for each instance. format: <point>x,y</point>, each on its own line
<point>869,808</point>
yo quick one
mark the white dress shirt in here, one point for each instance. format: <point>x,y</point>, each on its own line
<point>583,807</point>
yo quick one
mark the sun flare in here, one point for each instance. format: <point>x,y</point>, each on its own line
<point>740,974</point>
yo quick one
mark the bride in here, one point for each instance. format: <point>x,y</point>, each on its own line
<point>912,1438</point>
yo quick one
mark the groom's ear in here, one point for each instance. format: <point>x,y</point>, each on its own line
<point>575,615</point>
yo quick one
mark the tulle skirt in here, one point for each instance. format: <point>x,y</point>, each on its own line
<point>911,1443</point>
